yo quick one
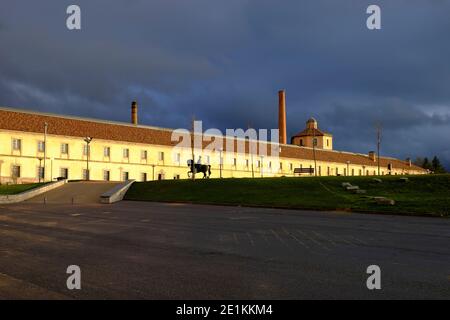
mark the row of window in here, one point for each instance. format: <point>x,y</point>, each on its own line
<point>64,149</point>
<point>64,173</point>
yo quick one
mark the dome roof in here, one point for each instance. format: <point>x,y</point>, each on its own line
<point>311,120</point>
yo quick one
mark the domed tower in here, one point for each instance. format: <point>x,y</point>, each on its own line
<point>311,123</point>
<point>305,138</point>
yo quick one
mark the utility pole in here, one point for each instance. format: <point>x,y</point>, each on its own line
<point>378,126</point>
<point>45,147</point>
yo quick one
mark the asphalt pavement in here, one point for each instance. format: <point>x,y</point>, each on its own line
<point>141,250</point>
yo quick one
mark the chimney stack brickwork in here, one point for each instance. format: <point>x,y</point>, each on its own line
<point>134,113</point>
<point>282,117</point>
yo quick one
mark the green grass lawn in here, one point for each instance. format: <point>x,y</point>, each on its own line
<point>421,195</point>
<point>17,188</point>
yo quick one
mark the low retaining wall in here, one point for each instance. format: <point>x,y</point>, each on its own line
<point>15,198</point>
<point>117,193</point>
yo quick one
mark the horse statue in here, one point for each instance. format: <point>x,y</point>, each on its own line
<point>197,167</point>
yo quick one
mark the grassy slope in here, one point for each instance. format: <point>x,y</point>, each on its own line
<point>421,195</point>
<point>17,188</point>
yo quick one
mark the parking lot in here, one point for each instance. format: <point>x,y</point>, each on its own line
<point>139,250</point>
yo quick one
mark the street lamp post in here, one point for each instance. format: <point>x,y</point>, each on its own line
<point>45,146</point>
<point>88,140</point>
<point>314,152</point>
<point>262,166</point>
<point>220,161</point>
<point>39,172</point>
<point>1,162</point>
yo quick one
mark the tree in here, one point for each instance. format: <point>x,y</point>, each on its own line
<point>426,164</point>
<point>436,165</point>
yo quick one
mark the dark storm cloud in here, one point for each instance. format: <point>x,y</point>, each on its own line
<point>225,60</point>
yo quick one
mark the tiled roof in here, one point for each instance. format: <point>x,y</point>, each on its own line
<point>311,132</point>
<point>26,121</point>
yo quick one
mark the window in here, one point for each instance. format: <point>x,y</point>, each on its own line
<point>16,171</point>
<point>320,171</point>
<point>328,171</point>
<point>41,146</point>
<point>160,176</point>
<point>178,157</point>
<point>107,152</point>
<point>337,171</point>
<point>281,165</point>
<point>126,153</point>
<point>345,172</point>
<point>144,154</point>
<point>17,144</point>
<point>85,174</point>
<point>360,172</point>
<point>301,142</point>
<point>234,162</point>
<point>64,173</point>
<point>353,172</point>
<point>258,163</point>
<point>315,141</point>
<point>161,156</point>
<point>328,142</point>
<point>176,177</point>
<point>143,176</point>
<point>125,176</point>
<point>106,175</point>
<point>40,173</point>
<point>291,166</point>
<point>64,148</point>
<point>270,164</point>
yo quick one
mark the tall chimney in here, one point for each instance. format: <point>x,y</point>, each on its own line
<point>282,116</point>
<point>134,115</point>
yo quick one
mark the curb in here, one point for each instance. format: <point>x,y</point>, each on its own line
<point>117,193</point>
<point>16,198</point>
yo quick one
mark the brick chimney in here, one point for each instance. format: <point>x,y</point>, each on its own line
<point>409,162</point>
<point>282,116</point>
<point>134,113</point>
<point>372,156</point>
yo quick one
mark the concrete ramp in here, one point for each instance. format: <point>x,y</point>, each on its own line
<point>82,192</point>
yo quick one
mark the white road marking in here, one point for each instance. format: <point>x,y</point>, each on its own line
<point>313,240</point>
<point>279,238</point>
<point>251,239</point>
<point>296,239</point>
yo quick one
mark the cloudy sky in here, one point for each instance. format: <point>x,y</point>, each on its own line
<point>224,61</point>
